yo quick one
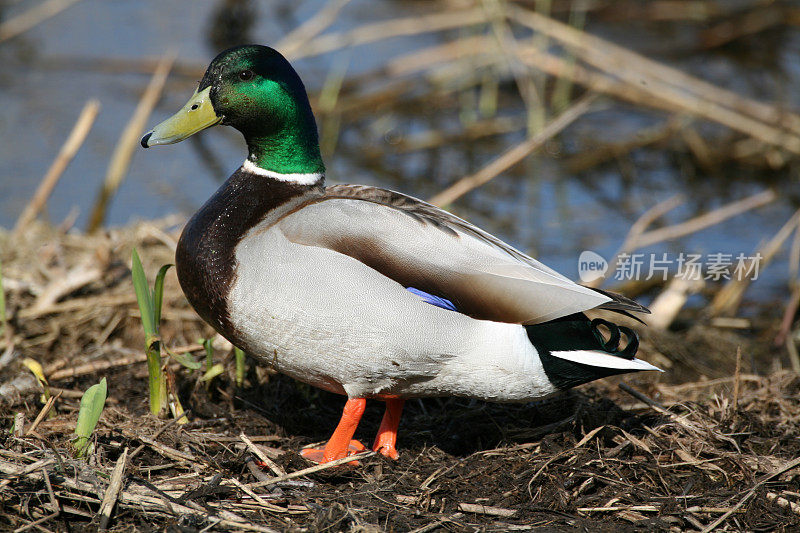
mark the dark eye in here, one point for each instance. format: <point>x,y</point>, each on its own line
<point>246,75</point>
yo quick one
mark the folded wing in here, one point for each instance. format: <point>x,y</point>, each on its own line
<point>419,245</point>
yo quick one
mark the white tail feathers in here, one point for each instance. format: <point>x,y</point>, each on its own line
<point>603,360</point>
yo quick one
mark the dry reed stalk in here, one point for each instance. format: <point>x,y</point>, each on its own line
<point>655,96</point>
<point>638,237</point>
<point>312,27</point>
<point>379,31</point>
<point>312,469</point>
<point>783,502</point>
<point>784,336</point>
<point>620,61</point>
<point>477,508</point>
<point>32,17</point>
<point>437,523</point>
<point>51,401</point>
<point>512,156</point>
<point>737,379</point>
<point>77,277</point>
<point>129,141</point>
<point>112,491</point>
<point>764,479</point>
<point>670,301</point>
<point>433,56</point>
<point>591,158</point>
<point>727,300</point>
<point>119,65</point>
<point>638,229</point>
<point>748,23</point>
<point>276,469</point>
<point>706,220</point>
<point>594,80</point>
<point>68,150</point>
<point>431,139</point>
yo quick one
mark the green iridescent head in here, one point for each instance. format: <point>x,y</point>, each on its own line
<point>254,89</point>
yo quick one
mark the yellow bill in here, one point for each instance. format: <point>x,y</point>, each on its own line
<point>198,114</point>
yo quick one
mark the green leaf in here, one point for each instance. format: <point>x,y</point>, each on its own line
<point>184,359</point>
<point>241,365</point>
<point>143,295</point>
<point>157,381</point>
<point>213,372</point>
<point>208,345</point>
<point>158,295</point>
<point>92,403</point>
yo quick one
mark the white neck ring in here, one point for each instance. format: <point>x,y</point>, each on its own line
<point>300,179</point>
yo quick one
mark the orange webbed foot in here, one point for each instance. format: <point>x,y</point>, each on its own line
<point>317,455</point>
<point>341,443</point>
<point>386,450</point>
<point>386,441</point>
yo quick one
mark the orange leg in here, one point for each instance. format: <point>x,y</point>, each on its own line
<point>341,444</point>
<point>386,440</point>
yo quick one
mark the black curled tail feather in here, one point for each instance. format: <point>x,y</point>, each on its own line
<point>577,333</point>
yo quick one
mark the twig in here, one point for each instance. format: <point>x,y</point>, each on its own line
<point>77,277</point>
<point>486,509</point>
<point>159,432</point>
<point>35,523</point>
<point>92,368</point>
<point>128,141</point>
<point>669,84</point>
<point>785,329</point>
<point>261,501</point>
<point>433,525</point>
<point>638,237</point>
<point>706,220</point>
<point>728,298</point>
<point>737,380</point>
<point>658,407</point>
<point>647,508</point>
<point>68,150</point>
<point>399,27</point>
<point>514,155</point>
<point>783,502</point>
<point>262,456</point>
<point>670,301</point>
<point>785,468</point>
<point>32,17</point>
<point>313,469</point>
<point>44,412</point>
<point>749,23</point>
<point>49,487</point>
<point>112,491</point>
<point>312,27</point>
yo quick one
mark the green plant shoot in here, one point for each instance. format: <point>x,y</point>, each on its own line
<point>241,365</point>
<point>212,370</point>
<point>150,309</point>
<point>209,348</point>
<point>92,403</point>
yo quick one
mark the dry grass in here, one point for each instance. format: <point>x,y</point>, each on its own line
<point>712,446</point>
<point>595,456</point>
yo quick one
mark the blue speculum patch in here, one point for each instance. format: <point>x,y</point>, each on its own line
<point>438,301</point>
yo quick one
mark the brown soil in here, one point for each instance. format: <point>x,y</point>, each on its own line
<point>696,444</point>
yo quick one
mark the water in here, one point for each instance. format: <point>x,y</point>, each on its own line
<point>537,206</point>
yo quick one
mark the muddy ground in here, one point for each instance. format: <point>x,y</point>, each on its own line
<point>700,447</point>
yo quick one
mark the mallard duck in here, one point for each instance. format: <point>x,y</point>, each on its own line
<point>364,291</point>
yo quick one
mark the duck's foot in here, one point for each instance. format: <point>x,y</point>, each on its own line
<point>386,441</point>
<point>317,455</point>
<point>387,450</point>
<point>341,443</point>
